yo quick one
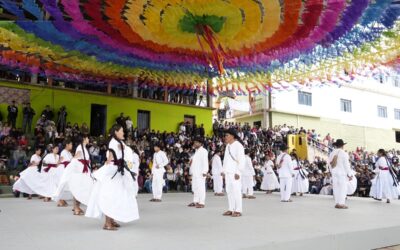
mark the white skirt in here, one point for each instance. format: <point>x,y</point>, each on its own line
<point>75,182</point>
<point>384,188</point>
<point>63,194</point>
<point>269,182</point>
<point>352,186</point>
<point>300,185</point>
<point>33,182</point>
<point>114,197</point>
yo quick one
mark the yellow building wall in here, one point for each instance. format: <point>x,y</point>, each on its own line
<point>163,117</point>
<point>356,136</point>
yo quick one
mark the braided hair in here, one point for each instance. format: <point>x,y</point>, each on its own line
<point>121,166</point>
<point>82,139</point>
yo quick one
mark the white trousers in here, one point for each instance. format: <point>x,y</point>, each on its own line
<point>157,186</point>
<point>286,188</point>
<point>218,183</point>
<point>247,185</point>
<point>339,184</point>
<point>199,189</point>
<point>233,190</point>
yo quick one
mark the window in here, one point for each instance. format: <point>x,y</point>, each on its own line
<point>382,111</point>
<point>345,105</point>
<point>305,98</point>
<point>397,114</point>
<point>398,136</point>
<point>396,82</point>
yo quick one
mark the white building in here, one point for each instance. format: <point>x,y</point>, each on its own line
<point>364,113</point>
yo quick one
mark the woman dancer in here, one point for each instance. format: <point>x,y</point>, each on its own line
<point>48,170</point>
<point>65,158</point>
<point>300,180</point>
<point>270,181</point>
<point>114,191</point>
<point>386,184</point>
<point>77,178</point>
<point>29,175</point>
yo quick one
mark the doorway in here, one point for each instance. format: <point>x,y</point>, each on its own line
<point>143,120</point>
<point>190,118</point>
<point>98,118</point>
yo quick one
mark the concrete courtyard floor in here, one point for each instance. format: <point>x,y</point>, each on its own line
<point>310,222</point>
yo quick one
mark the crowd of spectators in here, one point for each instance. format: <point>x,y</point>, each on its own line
<point>16,146</point>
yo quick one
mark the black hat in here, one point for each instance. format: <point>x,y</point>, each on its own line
<point>339,143</point>
<point>198,139</point>
<point>232,132</point>
<point>283,147</point>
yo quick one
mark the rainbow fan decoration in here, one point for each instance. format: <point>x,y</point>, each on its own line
<point>237,45</point>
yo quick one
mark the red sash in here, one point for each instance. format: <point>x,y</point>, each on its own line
<point>381,168</point>
<point>298,168</point>
<point>48,166</point>
<point>65,163</point>
<point>85,165</point>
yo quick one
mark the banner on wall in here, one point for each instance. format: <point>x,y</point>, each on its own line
<point>20,96</point>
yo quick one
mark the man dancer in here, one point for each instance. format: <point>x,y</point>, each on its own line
<point>340,164</point>
<point>216,164</point>
<point>160,160</point>
<point>199,170</point>
<point>234,164</point>
<point>286,173</point>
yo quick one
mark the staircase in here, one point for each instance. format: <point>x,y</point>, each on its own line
<point>313,151</point>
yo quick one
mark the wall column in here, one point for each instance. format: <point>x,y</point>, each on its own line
<point>109,88</point>
<point>34,78</point>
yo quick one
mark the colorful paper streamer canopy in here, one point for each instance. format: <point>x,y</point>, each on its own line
<point>180,44</point>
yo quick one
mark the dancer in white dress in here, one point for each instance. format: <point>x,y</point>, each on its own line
<point>216,171</point>
<point>248,177</point>
<point>300,180</point>
<point>113,193</point>
<point>65,158</point>
<point>29,175</point>
<point>48,170</point>
<point>386,183</point>
<point>132,158</point>
<point>270,181</point>
<point>77,178</point>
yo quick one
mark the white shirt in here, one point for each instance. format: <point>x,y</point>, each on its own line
<point>216,164</point>
<point>66,156</point>
<point>284,163</point>
<point>381,162</point>
<point>160,160</point>
<point>199,164</point>
<point>79,149</point>
<point>234,160</point>
<point>35,160</point>
<point>51,159</point>
<point>342,164</point>
<point>267,168</point>
<point>249,169</point>
<point>116,146</point>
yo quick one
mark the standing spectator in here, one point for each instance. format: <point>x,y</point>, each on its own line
<point>202,132</point>
<point>128,125</point>
<point>28,114</point>
<point>121,120</point>
<point>62,119</point>
<point>12,114</point>
<point>48,113</point>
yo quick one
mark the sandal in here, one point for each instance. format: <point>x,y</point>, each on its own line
<point>192,204</point>
<point>79,212</point>
<point>236,214</point>
<point>115,224</point>
<point>110,228</point>
<point>200,206</point>
<point>251,197</point>
<point>227,213</point>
